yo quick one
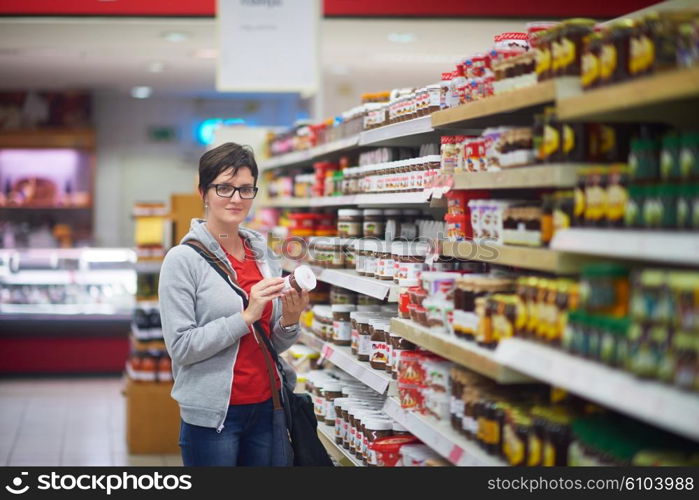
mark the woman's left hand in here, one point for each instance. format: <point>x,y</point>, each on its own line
<point>293,304</point>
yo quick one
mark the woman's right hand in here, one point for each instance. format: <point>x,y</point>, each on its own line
<point>261,293</point>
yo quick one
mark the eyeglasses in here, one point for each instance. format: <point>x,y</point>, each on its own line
<point>227,191</point>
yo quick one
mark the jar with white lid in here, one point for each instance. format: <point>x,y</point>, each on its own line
<point>358,431</point>
<point>331,391</point>
<point>349,408</point>
<point>349,223</point>
<point>374,429</point>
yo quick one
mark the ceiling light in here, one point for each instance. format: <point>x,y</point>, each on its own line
<point>156,67</point>
<point>401,37</point>
<point>175,36</point>
<point>205,53</point>
<point>141,92</point>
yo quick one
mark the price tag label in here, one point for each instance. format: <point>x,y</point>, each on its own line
<point>455,454</point>
<point>326,352</point>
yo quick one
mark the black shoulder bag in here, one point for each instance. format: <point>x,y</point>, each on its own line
<point>301,421</point>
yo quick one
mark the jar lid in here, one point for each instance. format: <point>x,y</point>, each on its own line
<point>332,386</point>
<point>376,424</point>
<point>343,308</point>
<point>397,427</point>
<point>348,212</point>
<point>304,276</point>
<point>368,308</point>
<point>372,211</point>
<point>411,211</point>
<point>392,212</point>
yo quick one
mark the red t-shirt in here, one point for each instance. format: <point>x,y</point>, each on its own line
<point>250,376</point>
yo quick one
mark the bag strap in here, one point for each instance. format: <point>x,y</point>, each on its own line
<point>269,353</point>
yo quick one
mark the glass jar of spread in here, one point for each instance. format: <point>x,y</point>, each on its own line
<point>411,260</point>
<point>331,391</point>
<point>335,258</point>
<point>351,404</point>
<point>591,61</point>
<point>384,263</point>
<point>354,332</point>
<point>322,322</point>
<point>349,223</point>
<point>348,249</point>
<point>373,223</point>
<point>342,326</point>
<point>377,357</point>
<point>371,258</point>
<point>340,405</point>
<point>364,339</point>
<point>575,33</point>
<point>357,431</point>
<point>375,429</point>
<point>392,223</point>
<point>399,346</point>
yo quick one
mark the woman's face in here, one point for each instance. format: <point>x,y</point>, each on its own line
<point>234,210</point>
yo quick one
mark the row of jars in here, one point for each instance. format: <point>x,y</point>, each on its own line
<point>354,411</point>
<point>412,174</point>
<point>384,260</point>
<point>366,330</point>
<point>421,102</point>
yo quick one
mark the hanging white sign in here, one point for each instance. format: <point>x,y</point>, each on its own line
<point>268,45</point>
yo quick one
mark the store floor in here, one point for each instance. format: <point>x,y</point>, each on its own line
<point>67,421</point>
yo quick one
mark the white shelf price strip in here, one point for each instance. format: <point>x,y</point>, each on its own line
<point>658,246</point>
<point>346,278</point>
<point>440,437</point>
<point>342,358</point>
<point>653,402</point>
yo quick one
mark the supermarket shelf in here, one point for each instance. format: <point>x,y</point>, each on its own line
<point>310,340</point>
<point>306,156</point>
<point>289,202</point>
<point>343,457</point>
<point>459,351</point>
<point>349,279</point>
<point>410,198</point>
<point>343,358</point>
<point>441,437</point>
<point>554,175</point>
<point>286,160</point>
<point>653,402</point>
<point>658,246</point>
<point>672,96</point>
<point>399,134</point>
<point>327,201</point>
<point>541,259</point>
<point>484,113</point>
<point>381,199</point>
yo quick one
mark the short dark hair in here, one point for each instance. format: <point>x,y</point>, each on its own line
<point>226,156</point>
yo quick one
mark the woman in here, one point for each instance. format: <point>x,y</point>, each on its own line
<point>222,383</point>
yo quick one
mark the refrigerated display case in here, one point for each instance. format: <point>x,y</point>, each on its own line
<point>65,310</point>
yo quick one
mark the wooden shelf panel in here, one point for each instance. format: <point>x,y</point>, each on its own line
<point>489,111</point>
<point>671,97</point>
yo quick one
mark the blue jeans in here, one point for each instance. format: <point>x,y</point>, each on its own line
<point>246,439</point>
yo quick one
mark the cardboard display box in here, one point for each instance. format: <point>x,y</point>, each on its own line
<point>152,418</point>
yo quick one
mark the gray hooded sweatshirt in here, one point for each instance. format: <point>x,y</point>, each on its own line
<point>203,324</point>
